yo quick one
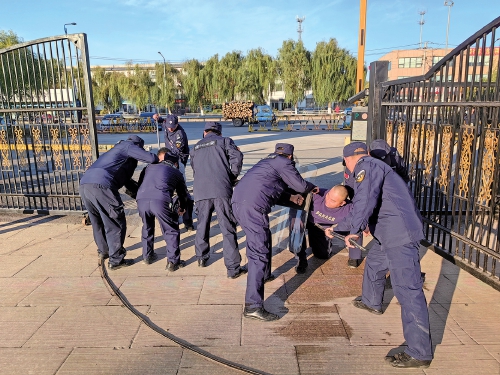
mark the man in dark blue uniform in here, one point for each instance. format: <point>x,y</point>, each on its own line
<point>259,190</point>
<point>380,149</point>
<point>383,202</point>
<point>155,198</point>
<point>99,191</point>
<point>176,142</point>
<point>216,163</point>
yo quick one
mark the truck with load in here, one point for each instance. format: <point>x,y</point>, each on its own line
<point>238,112</point>
<point>242,112</point>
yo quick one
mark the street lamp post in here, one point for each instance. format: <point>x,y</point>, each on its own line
<point>65,30</point>
<point>449,4</point>
<point>164,89</point>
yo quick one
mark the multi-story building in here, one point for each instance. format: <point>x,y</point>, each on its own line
<point>415,62</point>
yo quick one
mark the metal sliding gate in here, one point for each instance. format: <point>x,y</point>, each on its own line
<point>446,124</point>
<point>47,126</point>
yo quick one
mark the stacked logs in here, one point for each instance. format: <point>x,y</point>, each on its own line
<point>237,110</point>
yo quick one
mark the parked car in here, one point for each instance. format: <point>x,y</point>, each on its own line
<point>108,120</point>
<point>264,113</point>
<point>207,108</point>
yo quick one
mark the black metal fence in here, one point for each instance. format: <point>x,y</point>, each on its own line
<point>446,124</point>
<point>47,126</point>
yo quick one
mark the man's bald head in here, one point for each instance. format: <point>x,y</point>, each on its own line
<point>336,196</point>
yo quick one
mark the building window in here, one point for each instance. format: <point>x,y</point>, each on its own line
<point>410,62</point>
<point>479,59</point>
<point>477,78</point>
<point>436,59</point>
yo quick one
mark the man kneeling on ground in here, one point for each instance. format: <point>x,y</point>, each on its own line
<point>327,208</point>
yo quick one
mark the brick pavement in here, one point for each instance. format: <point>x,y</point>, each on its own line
<point>58,317</point>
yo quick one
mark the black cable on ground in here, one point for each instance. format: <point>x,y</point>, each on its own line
<point>184,344</point>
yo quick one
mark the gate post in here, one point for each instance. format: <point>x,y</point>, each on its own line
<point>379,71</point>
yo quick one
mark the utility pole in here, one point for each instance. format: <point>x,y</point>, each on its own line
<point>449,4</point>
<point>164,89</point>
<point>299,28</point>
<point>421,23</point>
<point>360,73</point>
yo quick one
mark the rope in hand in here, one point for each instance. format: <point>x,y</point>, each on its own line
<point>342,238</point>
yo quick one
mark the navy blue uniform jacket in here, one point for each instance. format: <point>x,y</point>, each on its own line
<point>177,143</point>
<point>160,181</point>
<point>382,201</point>
<point>262,186</point>
<point>116,167</point>
<point>216,163</point>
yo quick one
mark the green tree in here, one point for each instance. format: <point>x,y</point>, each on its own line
<point>164,89</point>
<point>294,69</point>
<point>16,72</point>
<point>209,83</point>
<point>106,89</point>
<point>192,83</point>
<point>257,75</point>
<point>227,75</point>
<point>136,86</point>
<point>333,73</point>
<point>9,38</point>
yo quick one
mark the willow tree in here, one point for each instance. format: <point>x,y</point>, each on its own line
<point>164,89</point>
<point>192,83</point>
<point>294,68</point>
<point>207,75</point>
<point>17,81</point>
<point>333,73</point>
<point>257,76</point>
<point>136,86</point>
<point>227,75</point>
<point>105,88</point>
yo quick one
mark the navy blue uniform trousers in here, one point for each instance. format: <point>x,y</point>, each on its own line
<point>259,251</point>
<point>404,264</point>
<point>105,209</point>
<point>169,224</point>
<point>227,224</point>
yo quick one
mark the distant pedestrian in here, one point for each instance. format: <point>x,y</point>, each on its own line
<point>176,141</point>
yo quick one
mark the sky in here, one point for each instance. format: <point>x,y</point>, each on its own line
<point>135,30</point>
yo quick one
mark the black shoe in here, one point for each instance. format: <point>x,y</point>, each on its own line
<point>123,263</point>
<point>354,263</point>
<point>241,271</point>
<point>403,360</point>
<point>174,267</point>
<point>360,305</point>
<point>202,262</point>
<point>150,259</point>
<point>270,278</point>
<point>301,267</point>
<point>259,314</point>
<point>102,256</point>
<point>189,228</point>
